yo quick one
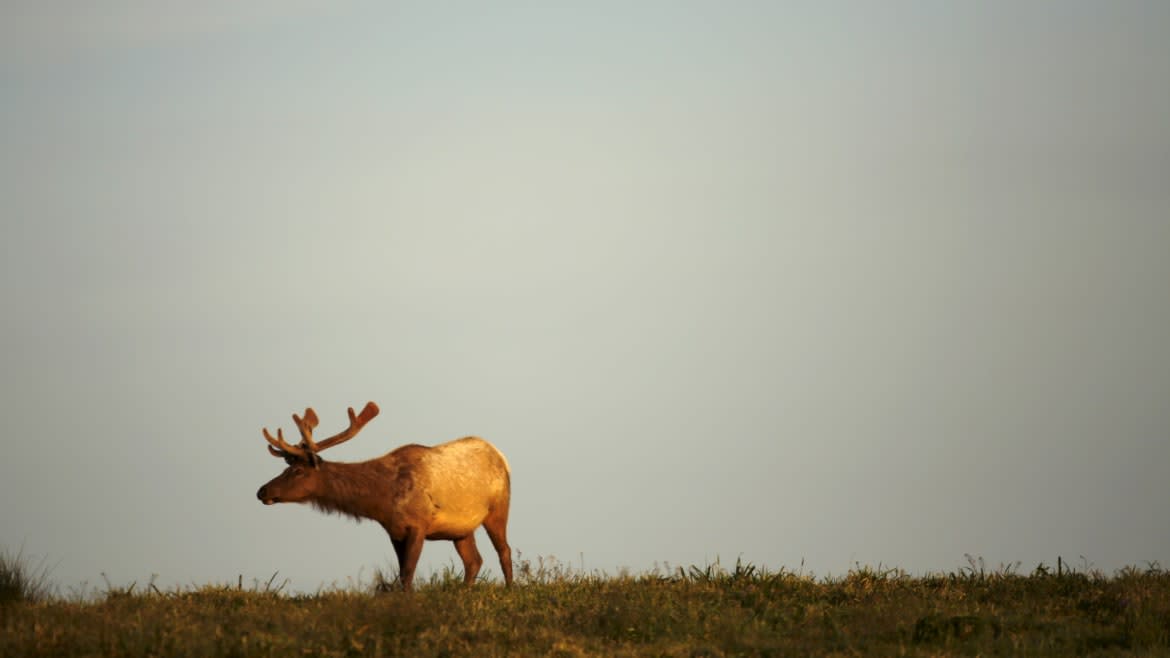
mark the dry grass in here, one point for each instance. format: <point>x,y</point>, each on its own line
<point>554,610</point>
<point>21,579</point>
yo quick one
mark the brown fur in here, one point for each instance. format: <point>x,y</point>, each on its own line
<point>415,493</point>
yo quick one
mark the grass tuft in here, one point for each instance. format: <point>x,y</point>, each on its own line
<point>22,580</point>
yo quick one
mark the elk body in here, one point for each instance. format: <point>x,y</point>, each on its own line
<point>414,492</point>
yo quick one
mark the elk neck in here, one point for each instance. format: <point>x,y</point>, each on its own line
<point>355,489</point>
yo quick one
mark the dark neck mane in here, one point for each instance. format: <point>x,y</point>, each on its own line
<point>356,490</point>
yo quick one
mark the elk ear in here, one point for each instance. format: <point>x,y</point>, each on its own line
<point>314,460</point>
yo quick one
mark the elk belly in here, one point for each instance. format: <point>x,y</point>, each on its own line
<point>454,523</point>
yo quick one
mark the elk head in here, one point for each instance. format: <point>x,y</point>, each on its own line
<point>299,482</point>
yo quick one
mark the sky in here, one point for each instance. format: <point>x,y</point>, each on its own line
<point>807,284</point>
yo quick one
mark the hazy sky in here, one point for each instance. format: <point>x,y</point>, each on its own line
<point>819,282</point>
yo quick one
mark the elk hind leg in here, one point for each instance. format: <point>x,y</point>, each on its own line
<point>472,560</point>
<point>496,525</point>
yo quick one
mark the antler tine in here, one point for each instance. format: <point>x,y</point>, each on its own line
<point>306,425</point>
<point>356,423</point>
<point>279,448</point>
<point>311,417</point>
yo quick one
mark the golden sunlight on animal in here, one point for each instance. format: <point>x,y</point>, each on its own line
<point>414,492</point>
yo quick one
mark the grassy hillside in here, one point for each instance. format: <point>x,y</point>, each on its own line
<point>554,611</point>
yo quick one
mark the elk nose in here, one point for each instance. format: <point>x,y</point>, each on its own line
<point>260,494</point>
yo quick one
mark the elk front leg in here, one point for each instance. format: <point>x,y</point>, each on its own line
<point>399,554</point>
<point>408,549</point>
<point>470,556</point>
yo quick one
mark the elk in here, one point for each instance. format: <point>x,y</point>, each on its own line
<point>414,492</point>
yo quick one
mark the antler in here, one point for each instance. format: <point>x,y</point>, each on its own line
<point>306,426</point>
<point>356,423</point>
<point>308,449</point>
<point>279,448</point>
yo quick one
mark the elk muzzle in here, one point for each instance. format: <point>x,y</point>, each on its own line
<point>265,497</point>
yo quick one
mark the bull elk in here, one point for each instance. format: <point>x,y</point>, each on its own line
<point>414,492</point>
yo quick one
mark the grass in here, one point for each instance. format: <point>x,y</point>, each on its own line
<point>21,579</point>
<point>557,611</point>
